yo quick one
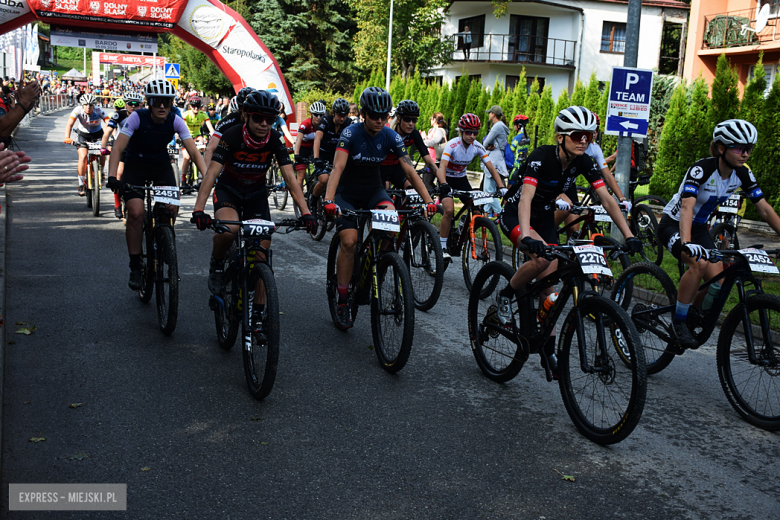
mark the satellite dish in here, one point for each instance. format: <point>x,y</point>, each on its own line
<point>762,18</point>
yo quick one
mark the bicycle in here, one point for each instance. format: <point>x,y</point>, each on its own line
<point>274,178</point>
<point>193,176</point>
<point>316,204</point>
<point>748,350</point>
<point>245,271</point>
<point>725,221</point>
<point>93,182</point>
<point>173,152</point>
<point>160,264</point>
<point>475,234</point>
<point>379,278</point>
<point>603,397</point>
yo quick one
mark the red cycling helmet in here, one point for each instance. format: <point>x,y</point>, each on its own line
<point>520,119</point>
<point>598,121</point>
<point>469,122</point>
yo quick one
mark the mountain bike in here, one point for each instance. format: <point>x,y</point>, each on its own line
<point>725,221</point>
<point>603,396</point>
<point>316,205</point>
<point>748,351</point>
<point>274,178</point>
<point>379,278</point>
<point>246,272</point>
<point>93,182</point>
<point>173,152</point>
<point>160,263</point>
<point>193,176</point>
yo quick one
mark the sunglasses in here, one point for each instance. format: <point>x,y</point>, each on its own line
<point>579,136</point>
<point>259,119</point>
<point>742,148</point>
<point>160,102</point>
<point>134,104</point>
<point>470,132</point>
<point>407,119</point>
<point>375,116</point>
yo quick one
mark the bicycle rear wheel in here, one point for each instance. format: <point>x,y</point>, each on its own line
<point>87,182</point>
<point>167,280</point>
<point>753,389</point>
<point>618,265</point>
<point>318,213</point>
<point>95,195</point>
<point>606,401</point>
<point>261,338</point>
<point>280,197</point>
<point>485,248</point>
<point>424,257</point>
<point>392,313</point>
<point>226,316</point>
<point>500,349</point>
<point>148,257</point>
<point>331,283</point>
<point>176,172</point>
<point>644,226</point>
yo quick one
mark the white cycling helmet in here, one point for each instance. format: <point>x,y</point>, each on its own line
<point>735,132</point>
<point>317,109</point>
<point>159,88</point>
<point>88,99</point>
<point>575,119</point>
<point>133,96</point>
<point>233,107</point>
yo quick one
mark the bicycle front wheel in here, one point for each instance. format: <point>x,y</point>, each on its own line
<point>603,396</point>
<point>426,264</point>
<point>725,236</point>
<point>280,197</point>
<point>392,313</point>
<point>147,255</point>
<point>226,316</point>
<point>485,248</point>
<point>261,340</point>
<point>95,173</point>
<point>644,226</point>
<point>167,280</point>
<point>176,172</point>
<point>752,386</point>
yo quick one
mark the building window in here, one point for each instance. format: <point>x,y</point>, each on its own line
<point>472,77</point>
<point>528,38</point>
<point>476,25</point>
<point>511,82</point>
<point>529,82</point>
<point>613,37</point>
<point>770,70</point>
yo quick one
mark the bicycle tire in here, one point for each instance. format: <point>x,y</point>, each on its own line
<point>644,226</point>
<point>744,383</point>
<point>318,213</point>
<point>641,287</point>
<point>605,283</point>
<point>485,233</point>
<point>392,313</point>
<point>725,236</point>
<point>176,172</point>
<point>87,189</point>
<point>518,258</point>
<point>280,197</point>
<point>331,283</point>
<point>261,349</point>
<point>605,405</point>
<point>499,357</point>
<point>167,280</point>
<point>95,167</point>
<point>226,316</point>
<point>652,199</point>
<point>425,260</point>
<point>147,257</point>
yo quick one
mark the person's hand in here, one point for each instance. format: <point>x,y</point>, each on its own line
<point>626,204</point>
<point>28,95</point>
<point>202,220</point>
<point>502,192</point>
<point>68,140</point>
<point>331,208</point>
<point>311,223</point>
<point>12,164</point>
<point>695,251</point>
<point>444,190</point>
<point>535,247</point>
<point>634,245</point>
<point>104,151</point>
<point>431,209</point>
<point>116,186</point>
<point>562,205</point>
<point>319,163</point>
<point>298,158</point>
<point>490,147</point>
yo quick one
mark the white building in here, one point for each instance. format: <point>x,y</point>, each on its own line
<point>557,40</point>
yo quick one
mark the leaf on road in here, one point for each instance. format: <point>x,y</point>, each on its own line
<point>371,347</point>
<point>256,418</point>
<point>265,443</point>
<point>79,456</point>
<point>37,439</point>
<point>26,402</point>
<point>24,329</point>
<point>75,405</point>
<point>567,478</point>
<point>281,312</point>
<point>145,468</point>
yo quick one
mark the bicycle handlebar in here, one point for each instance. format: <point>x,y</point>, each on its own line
<point>220,226</point>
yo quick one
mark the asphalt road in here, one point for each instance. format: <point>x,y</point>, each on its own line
<point>338,437</point>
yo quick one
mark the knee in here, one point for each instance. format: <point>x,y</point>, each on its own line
<point>135,216</point>
<point>540,264</point>
<point>324,178</point>
<point>348,245</point>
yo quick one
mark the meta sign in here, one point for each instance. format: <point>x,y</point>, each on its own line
<point>628,109</point>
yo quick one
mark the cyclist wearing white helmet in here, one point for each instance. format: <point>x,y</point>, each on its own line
<point>90,122</point>
<point>144,141</point>
<point>304,142</point>
<point>683,229</point>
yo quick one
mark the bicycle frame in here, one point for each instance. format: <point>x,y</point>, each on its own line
<point>468,206</point>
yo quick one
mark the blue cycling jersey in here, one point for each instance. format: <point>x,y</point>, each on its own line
<point>365,153</point>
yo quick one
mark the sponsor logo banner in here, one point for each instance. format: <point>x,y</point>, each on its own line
<point>67,37</point>
<point>11,9</point>
<point>146,13</point>
<point>130,59</point>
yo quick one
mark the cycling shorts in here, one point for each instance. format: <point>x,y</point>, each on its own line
<point>248,205</point>
<point>669,236</point>
<point>544,224</point>
<point>460,184</point>
<point>137,173</point>
<point>354,200</point>
<point>84,138</point>
<point>394,174</point>
<point>304,152</point>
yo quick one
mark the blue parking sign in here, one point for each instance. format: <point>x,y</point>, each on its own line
<point>628,108</point>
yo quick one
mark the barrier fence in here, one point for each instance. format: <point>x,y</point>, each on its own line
<point>47,104</point>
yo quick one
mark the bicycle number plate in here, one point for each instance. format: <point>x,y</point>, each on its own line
<point>600,214</point>
<point>413,198</point>
<point>94,147</point>
<point>481,198</point>
<point>385,220</point>
<point>258,227</point>
<point>759,261</point>
<point>167,195</point>
<point>731,205</point>
<point>592,260</point>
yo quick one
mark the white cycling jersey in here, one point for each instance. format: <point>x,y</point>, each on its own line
<point>595,153</point>
<point>458,156</point>
<point>87,123</point>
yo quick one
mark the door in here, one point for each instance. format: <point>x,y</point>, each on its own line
<point>528,38</point>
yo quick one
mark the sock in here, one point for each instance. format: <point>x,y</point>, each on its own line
<point>135,262</point>
<point>681,311</point>
<point>443,242</point>
<point>82,179</point>
<point>343,293</point>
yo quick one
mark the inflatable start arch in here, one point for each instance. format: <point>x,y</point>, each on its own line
<point>208,25</point>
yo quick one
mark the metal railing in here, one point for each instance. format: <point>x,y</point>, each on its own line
<point>738,29</point>
<point>47,104</point>
<point>515,48</point>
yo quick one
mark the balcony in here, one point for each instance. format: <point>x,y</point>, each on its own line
<point>515,48</point>
<point>737,29</point>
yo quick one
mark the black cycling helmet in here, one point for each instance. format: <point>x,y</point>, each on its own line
<point>341,106</point>
<point>262,102</point>
<point>407,107</point>
<point>196,102</point>
<point>242,95</point>
<point>376,99</point>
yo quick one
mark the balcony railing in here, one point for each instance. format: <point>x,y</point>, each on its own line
<point>515,48</point>
<point>738,29</point>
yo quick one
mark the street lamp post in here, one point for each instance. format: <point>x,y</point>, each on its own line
<point>389,48</point>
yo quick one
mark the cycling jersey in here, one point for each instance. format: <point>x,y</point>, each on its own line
<point>229,121</point>
<point>330,137</point>
<point>308,132</point>
<point>413,139</point>
<point>458,156</point>
<point>365,153</point>
<point>204,128</point>
<point>704,182</point>
<point>543,169</point>
<point>513,152</point>
<point>194,121</point>
<point>149,140</point>
<point>246,167</point>
<point>88,123</point>
<point>118,119</point>
<point>595,153</point>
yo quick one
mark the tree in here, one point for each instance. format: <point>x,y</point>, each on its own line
<point>725,93</point>
<point>458,102</point>
<point>667,175</point>
<point>697,136</point>
<point>545,116</point>
<point>766,155</point>
<point>563,102</point>
<point>592,94</point>
<point>521,94</point>
<point>532,102</point>
<point>578,96</point>
<point>753,99</point>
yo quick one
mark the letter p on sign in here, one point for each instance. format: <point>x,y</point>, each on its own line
<point>631,79</point>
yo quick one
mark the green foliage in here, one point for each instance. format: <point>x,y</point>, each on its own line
<point>497,94</point>
<point>697,136</point>
<point>592,94</point>
<point>578,96</point>
<point>766,155</point>
<point>725,93</point>
<point>531,104</point>
<point>545,116</point>
<point>563,102</point>
<point>196,68</point>
<point>667,173</point>
<point>663,86</point>
<point>315,95</point>
<point>458,103</point>
<point>521,94</point>
<point>753,98</point>
<point>608,142</point>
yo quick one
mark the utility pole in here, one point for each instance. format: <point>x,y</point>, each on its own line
<point>389,48</point>
<point>623,163</point>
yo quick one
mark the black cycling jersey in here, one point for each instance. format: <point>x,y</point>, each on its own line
<point>229,121</point>
<point>413,139</point>
<point>543,169</point>
<point>365,154</point>
<point>330,137</point>
<point>246,167</point>
<point>117,118</point>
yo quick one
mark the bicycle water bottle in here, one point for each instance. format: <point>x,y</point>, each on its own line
<point>546,306</point>
<point>712,295</point>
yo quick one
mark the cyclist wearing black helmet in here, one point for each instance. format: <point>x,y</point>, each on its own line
<point>355,182</point>
<point>327,139</point>
<point>304,142</point>
<point>407,113</point>
<point>246,153</point>
<point>683,228</point>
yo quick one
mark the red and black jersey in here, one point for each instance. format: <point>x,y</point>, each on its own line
<point>308,132</point>
<point>246,167</point>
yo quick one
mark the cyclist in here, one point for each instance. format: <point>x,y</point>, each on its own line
<point>355,182</point>
<point>407,114</point>
<point>246,153</point>
<point>683,227</point>
<point>281,126</point>
<point>130,103</point>
<point>90,122</point>
<point>326,140</point>
<point>517,151</point>
<point>211,111</point>
<point>529,206</point>
<point>304,142</point>
<point>194,118</point>
<point>457,155</point>
<point>144,142</point>
<point>234,118</point>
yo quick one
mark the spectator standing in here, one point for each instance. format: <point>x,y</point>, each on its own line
<point>495,143</point>
<point>466,35</point>
<point>22,101</point>
<point>435,141</point>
